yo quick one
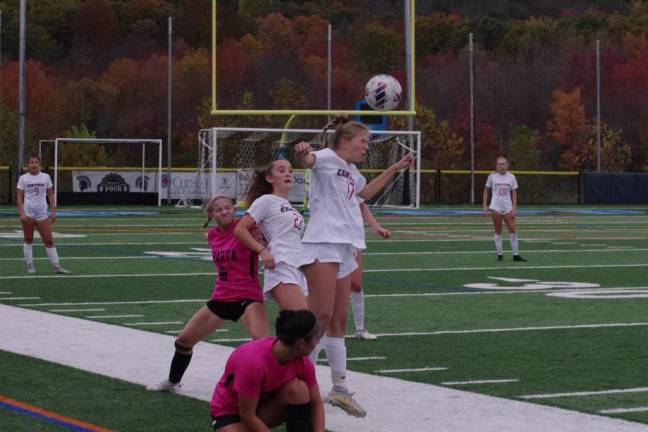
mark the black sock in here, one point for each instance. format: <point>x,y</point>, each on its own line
<point>299,418</point>
<point>179,365</point>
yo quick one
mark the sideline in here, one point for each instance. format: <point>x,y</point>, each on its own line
<point>392,404</point>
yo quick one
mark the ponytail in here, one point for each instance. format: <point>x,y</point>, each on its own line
<point>344,128</point>
<point>259,185</point>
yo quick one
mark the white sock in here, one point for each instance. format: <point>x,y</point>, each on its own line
<point>336,354</point>
<point>53,256</point>
<point>514,243</point>
<point>29,255</point>
<point>357,308</point>
<point>315,353</point>
<point>498,243</point>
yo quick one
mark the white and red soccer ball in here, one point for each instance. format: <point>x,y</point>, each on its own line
<point>383,92</point>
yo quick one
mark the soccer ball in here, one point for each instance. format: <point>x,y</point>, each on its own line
<point>383,92</point>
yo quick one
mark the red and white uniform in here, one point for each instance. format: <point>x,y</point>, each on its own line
<point>282,227</point>
<point>253,372</point>
<point>502,185</point>
<point>335,229</point>
<point>35,190</point>
<point>236,265</point>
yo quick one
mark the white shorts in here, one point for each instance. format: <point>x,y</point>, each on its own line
<point>502,210</point>
<point>283,273</point>
<point>36,213</point>
<point>341,253</point>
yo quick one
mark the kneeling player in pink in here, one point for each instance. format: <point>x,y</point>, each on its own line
<point>271,381</point>
<point>236,294</point>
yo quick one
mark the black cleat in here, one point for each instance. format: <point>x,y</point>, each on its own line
<point>500,257</point>
<point>518,258</point>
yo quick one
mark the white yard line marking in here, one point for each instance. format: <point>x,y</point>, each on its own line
<point>585,393</point>
<point>178,331</point>
<point>393,270</point>
<point>19,298</point>
<point>425,369</point>
<point>624,410</point>
<point>114,316</point>
<point>77,310</point>
<point>5,292</point>
<point>530,251</point>
<point>487,381</point>
<point>515,329</point>
<point>356,359</point>
<point>153,323</point>
<point>527,267</point>
<point>135,302</point>
<point>116,275</point>
<point>38,334</point>
<point>113,243</point>
<point>87,258</point>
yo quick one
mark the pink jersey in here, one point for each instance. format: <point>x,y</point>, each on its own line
<point>253,372</point>
<point>236,265</point>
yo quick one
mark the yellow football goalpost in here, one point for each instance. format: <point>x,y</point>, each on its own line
<point>410,81</point>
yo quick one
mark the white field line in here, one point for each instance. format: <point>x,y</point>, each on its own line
<point>114,316</point>
<point>356,359</point>
<point>530,251</point>
<point>113,243</point>
<point>585,393</point>
<point>137,302</point>
<point>77,310</point>
<point>88,258</point>
<point>153,323</point>
<point>624,410</point>
<point>96,348</point>
<point>394,270</point>
<point>5,292</point>
<point>483,381</point>
<point>515,329</point>
<point>441,240</point>
<point>526,267</point>
<point>221,330</point>
<point>424,369</point>
<point>19,298</point>
<point>486,330</point>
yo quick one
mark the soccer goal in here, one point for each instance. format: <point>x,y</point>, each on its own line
<point>113,171</point>
<point>227,158</point>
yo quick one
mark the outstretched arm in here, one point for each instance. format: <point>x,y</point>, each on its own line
<point>379,182</point>
<point>304,154</point>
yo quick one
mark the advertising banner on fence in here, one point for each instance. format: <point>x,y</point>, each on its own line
<point>114,181</point>
<point>183,185</point>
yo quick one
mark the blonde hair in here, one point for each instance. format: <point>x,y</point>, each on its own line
<point>210,206</point>
<point>345,128</point>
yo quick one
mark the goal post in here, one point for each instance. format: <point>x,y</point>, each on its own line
<point>228,155</point>
<point>114,146</point>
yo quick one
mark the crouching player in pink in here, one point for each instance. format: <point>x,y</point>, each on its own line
<point>271,381</point>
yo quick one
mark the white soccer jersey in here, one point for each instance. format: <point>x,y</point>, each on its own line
<point>501,185</point>
<point>334,207</point>
<point>35,189</point>
<point>282,227</point>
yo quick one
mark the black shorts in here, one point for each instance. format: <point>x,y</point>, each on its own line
<point>229,310</point>
<point>224,420</point>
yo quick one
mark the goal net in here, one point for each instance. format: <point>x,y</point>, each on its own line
<point>113,171</point>
<point>227,158</point>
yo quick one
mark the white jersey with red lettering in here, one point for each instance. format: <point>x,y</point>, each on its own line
<point>335,215</point>
<point>502,185</point>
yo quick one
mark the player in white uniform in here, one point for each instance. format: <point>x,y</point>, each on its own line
<point>282,227</point>
<point>503,206</point>
<point>32,189</point>
<point>335,230</point>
